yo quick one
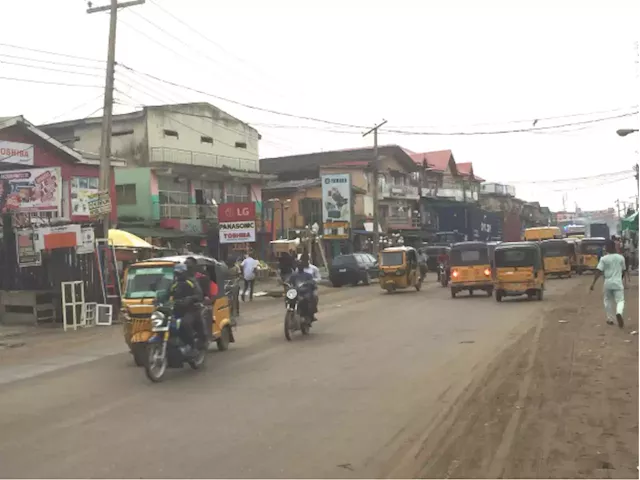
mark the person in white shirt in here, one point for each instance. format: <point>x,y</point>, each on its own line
<point>612,267</point>
<point>249,266</point>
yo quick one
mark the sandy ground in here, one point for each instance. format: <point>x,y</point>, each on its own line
<point>409,385</point>
<point>561,402</point>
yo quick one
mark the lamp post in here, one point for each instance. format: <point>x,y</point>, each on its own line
<point>623,132</point>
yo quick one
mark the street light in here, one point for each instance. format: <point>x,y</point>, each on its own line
<point>623,132</point>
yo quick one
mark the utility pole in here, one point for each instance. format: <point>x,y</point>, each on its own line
<point>637,175</point>
<point>107,112</point>
<point>376,167</point>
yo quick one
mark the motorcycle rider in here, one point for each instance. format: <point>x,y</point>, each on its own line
<point>186,294</point>
<point>308,273</point>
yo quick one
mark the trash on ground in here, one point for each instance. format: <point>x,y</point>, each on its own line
<point>563,321</point>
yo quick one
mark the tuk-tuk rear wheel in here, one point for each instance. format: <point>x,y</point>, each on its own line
<point>498,296</point>
<point>225,339</point>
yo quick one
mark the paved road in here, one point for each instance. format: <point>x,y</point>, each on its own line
<point>347,401</point>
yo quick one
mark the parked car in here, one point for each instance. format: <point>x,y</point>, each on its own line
<point>353,268</point>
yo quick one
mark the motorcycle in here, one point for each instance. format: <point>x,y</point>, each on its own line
<point>232,291</point>
<point>164,347</point>
<point>298,301</point>
<point>443,275</point>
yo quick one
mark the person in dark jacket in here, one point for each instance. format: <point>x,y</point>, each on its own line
<point>187,297</point>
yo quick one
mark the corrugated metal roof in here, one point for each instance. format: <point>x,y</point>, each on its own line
<point>293,184</point>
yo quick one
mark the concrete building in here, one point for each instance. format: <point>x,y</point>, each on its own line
<point>183,161</point>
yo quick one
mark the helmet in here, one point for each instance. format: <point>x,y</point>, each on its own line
<point>180,268</point>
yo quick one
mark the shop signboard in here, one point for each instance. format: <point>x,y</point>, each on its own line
<point>64,236</point>
<point>88,241</point>
<point>336,205</point>
<point>33,190</point>
<point>237,222</point>
<point>15,152</point>
<point>82,189</point>
<point>99,203</point>
<point>28,255</point>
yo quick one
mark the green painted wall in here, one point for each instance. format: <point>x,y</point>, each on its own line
<point>144,207</point>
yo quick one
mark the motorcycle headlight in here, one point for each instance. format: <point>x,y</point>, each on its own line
<point>157,319</point>
<point>292,293</point>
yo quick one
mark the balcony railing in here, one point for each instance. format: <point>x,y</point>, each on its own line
<point>178,211</point>
<point>456,194</point>
<point>400,191</point>
<point>187,157</point>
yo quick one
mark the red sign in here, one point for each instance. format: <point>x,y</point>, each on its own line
<point>236,212</point>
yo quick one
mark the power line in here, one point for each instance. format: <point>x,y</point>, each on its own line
<point>50,69</point>
<point>29,80</point>
<point>519,130</point>
<point>241,104</point>
<point>532,120</point>
<point>567,180</point>
<point>585,187</point>
<point>51,62</point>
<point>51,53</point>
<point>78,107</point>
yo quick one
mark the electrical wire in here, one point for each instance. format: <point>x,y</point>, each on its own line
<point>29,80</point>
<point>51,62</point>
<point>569,180</point>
<point>78,107</point>
<point>518,130</point>
<point>51,53</point>
<point>50,69</point>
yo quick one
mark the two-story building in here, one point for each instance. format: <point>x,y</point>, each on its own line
<point>398,190</point>
<point>183,161</point>
<point>449,195</point>
<point>28,156</point>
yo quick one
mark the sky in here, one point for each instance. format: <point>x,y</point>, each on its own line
<point>428,67</point>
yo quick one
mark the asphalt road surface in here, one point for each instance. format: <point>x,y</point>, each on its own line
<point>350,400</point>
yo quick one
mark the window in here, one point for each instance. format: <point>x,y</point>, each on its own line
<point>241,144</point>
<point>173,192</point>
<point>120,134</point>
<point>237,192</point>
<point>469,256</point>
<point>392,259</point>
<point>170,133</point>
<point>205,139</point>
<point>126,194</point>
<point>311,210</point>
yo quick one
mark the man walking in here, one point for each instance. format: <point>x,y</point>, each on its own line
<point>249,266</point>
<point>612,267</point>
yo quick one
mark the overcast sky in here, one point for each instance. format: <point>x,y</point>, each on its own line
<point>428,66</point>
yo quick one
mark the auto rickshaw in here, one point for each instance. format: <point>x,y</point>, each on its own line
<point>574,245</point>
<point>143,280</point>
<point>588,252</point>
<point>557,255</point>
<point>470,268</point>
<point>519,270</point>
<point>399,269</point>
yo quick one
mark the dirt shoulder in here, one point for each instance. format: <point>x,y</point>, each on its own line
<point>562,402</point>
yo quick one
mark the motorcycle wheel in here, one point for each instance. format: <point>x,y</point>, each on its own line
<point>305,326</point>
<point>288,324</point>
<point>155,365</point>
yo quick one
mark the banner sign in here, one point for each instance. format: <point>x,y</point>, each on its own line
<point>34,190</point>
<point>15,152</point>
<point>336,205</point>
<point>235,232</point>
<point>82,189</point>
<point>88,241</point>
<point>237,222</point>
<point>28,255</point>
<point>99,204</point>
<point>64,236</point>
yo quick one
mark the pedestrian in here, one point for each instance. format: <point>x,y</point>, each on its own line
<point>423,262</point>
<point>249,266</point>
<point>286,266</point>
<point>612,267</point>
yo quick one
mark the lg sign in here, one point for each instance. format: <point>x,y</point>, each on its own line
<point>236,212</point>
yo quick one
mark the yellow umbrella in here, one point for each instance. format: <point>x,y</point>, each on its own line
<point>122,239</point>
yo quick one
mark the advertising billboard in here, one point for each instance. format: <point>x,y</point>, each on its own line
<point>237,222</point>
<point>34,190</point>
<point>336,197</point>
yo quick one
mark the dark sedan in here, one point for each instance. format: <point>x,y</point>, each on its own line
<point>353,268</point>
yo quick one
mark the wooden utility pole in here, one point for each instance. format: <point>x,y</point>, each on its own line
<point>376,168</point>
<point>107,112</point>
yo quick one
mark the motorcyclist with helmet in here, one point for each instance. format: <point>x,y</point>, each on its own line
<point>187,297</point>
<point>308,273</point>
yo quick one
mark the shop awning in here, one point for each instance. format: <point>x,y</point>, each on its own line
<point>152,232</point>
